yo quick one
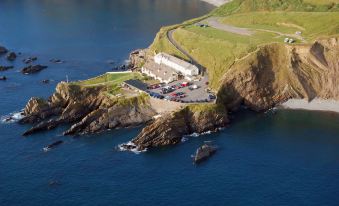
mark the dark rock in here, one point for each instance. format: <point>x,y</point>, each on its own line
<point>32,69</point>
<point>51,146</point>
<point>54,183</point>
<point>11,56</point>
<point>56,61</point>
<point>4,68</point>
<point>3,50</point>
<point>204,152</point>
<point>45,81</point>
<point>128,147</point>
<point>30,60</point>
<point>3,78</point>
<point>46,125</point>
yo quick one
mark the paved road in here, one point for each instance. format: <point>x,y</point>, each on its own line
<point>214,23</point>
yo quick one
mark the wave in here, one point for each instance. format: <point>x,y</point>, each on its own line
<point>130,146</point>
<point>195,134</point>
<point>12,117</point>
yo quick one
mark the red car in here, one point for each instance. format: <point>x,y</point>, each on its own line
<point>185,84</point>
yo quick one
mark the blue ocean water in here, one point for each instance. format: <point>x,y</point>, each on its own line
<point>286,158</point>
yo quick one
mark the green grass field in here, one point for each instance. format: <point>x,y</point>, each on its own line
<point>312,24</point>
<point>110,79</point>
<point>217,50</point>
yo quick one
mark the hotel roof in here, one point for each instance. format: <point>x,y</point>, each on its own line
<point>177,61</point>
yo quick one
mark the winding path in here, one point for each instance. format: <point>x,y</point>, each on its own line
<point>183,51</point>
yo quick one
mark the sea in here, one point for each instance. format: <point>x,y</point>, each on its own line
<point>282,157</point>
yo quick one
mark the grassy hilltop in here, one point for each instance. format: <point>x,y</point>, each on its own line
<point>270,21</point>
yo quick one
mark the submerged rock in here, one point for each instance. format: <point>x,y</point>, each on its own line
<point>11,56</point>
<point>3,50</point>
<point>204,152</point>
<point>51,146</point>
<point>33,69</point>
<point>30,60</point>
<point>45,81</point>
<point>3,78</point>
<point>5,68</point>
<point>56,61</point>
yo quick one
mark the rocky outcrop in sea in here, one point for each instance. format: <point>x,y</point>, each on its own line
<point>86,109</point>
<point>170,128</point>
<point>33,69</point>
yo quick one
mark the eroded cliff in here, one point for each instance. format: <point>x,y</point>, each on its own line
<point>278,72</point>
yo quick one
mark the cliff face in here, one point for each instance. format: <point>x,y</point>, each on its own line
<point>137,58</point>
<point>87,109</point>
<point>170,128</point>
<point>276,73</point>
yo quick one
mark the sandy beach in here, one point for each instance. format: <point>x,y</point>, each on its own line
<point>316,105</point>
<point>217,3</point>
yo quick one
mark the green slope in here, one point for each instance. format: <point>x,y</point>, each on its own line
<point>270,21</point>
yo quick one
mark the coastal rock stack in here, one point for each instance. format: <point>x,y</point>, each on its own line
<point>170,128</point>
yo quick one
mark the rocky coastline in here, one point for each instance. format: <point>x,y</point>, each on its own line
<point>259,85</point>
<point>87,110</point>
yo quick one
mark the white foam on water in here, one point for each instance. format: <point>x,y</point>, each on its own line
<point>12,117</point>
<point>184,139</point>
<point>208,132</point>
<point>134,150</point>
<point>194,135</point>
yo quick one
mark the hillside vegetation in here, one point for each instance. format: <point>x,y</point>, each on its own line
<point>269,21</point>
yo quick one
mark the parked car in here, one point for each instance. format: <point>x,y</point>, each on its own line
<point>154,86</point>
<point>185,84</point>
<point>165,91</point>
<point>193,87</point>
<point>177,87</point>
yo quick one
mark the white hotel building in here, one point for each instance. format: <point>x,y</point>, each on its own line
<point>177,64</point>
<point>166,68</point>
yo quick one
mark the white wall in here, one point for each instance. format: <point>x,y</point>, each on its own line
<point>159,59</point>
